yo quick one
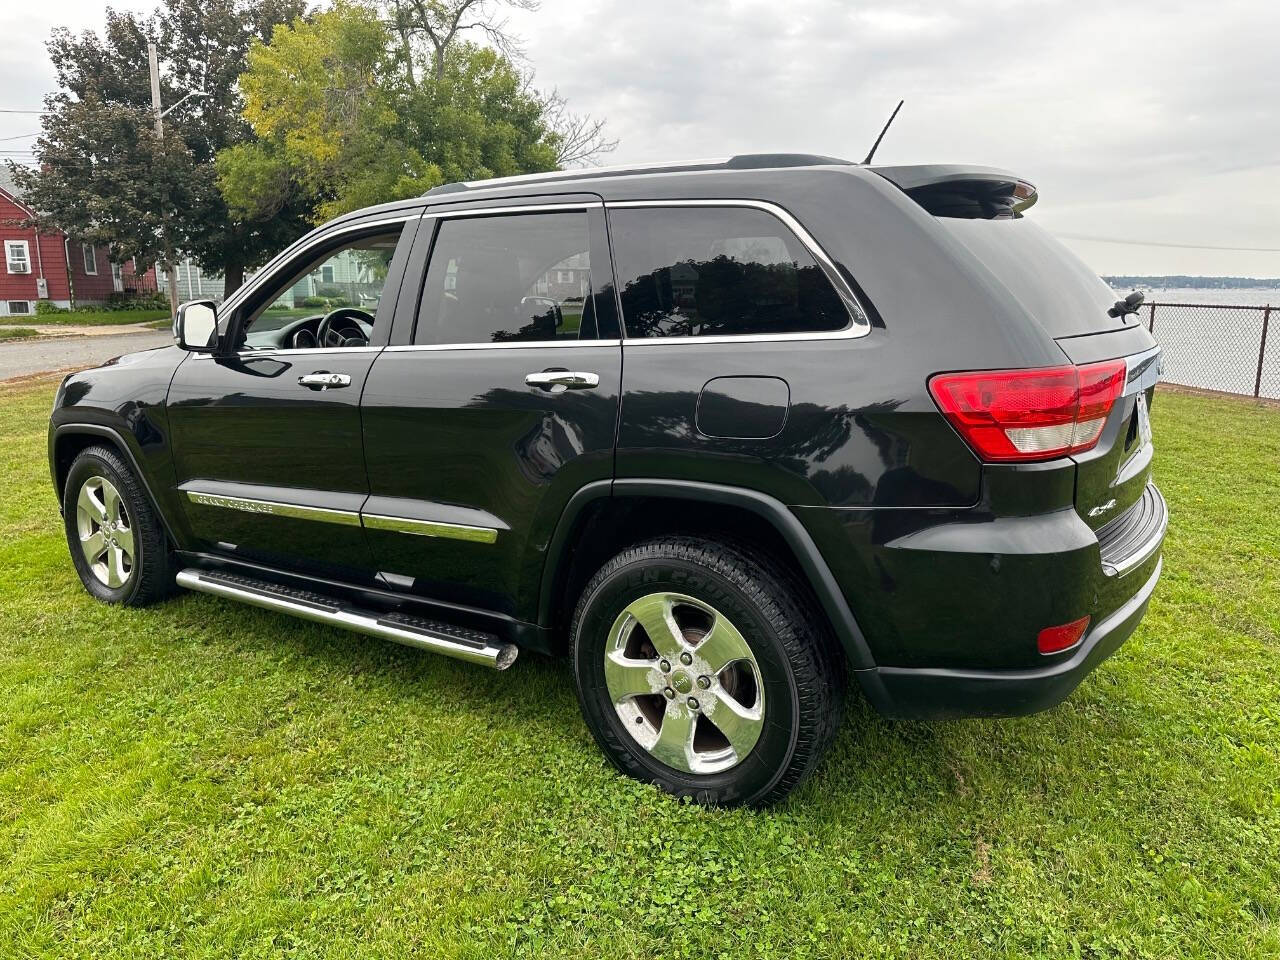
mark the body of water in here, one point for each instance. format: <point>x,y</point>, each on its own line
<point>1244,297</point>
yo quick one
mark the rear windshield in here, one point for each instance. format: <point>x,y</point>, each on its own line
<point>1050,281</point>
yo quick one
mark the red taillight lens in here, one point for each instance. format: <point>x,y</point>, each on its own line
<point>1023,415</point>
<point>1057,639</point>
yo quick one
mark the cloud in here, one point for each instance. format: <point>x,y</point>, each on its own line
<point>1155,119</point>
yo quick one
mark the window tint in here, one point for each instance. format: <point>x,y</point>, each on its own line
<point>509,278</point>
<point>697,272</point>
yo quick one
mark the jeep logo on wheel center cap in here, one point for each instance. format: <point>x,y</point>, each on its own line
<point>681,682</point>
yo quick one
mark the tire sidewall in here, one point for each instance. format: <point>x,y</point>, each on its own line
<point>767,761</point>
<point>87,465</point>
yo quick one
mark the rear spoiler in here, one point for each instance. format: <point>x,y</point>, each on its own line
<point>956,190</point>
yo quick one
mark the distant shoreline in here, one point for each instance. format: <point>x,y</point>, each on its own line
<point>1193,283</point>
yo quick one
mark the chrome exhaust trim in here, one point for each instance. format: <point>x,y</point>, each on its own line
<point>483,649</point>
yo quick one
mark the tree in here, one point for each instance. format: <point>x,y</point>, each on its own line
<point>337,113</point>
<point>104,175</point>
<point>441,25</point>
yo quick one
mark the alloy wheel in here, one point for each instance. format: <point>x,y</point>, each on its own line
<point>105,531</point>
<point>684,683</point>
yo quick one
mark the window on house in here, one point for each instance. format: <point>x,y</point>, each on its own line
<point>90,258</point>
<point>19,308</point>
<point>18,256</point>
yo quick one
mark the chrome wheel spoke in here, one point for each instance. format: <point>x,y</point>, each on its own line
<point>741,726</point>
<point>124,537</point>
<point>654,614</point>
<point>93,545</point>
<point>674,745</point>
<point>722,646</point>
<point>90,505</point>
<point>111,501</point>
<point>116,573</point>
<point>628,678</point>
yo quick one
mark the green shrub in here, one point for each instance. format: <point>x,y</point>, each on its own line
<point>312,302</point>
<point>47,307</point>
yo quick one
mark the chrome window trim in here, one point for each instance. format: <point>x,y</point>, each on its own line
<point>275,508</point>
<point>449,213</point>
<point>429,528</point>
<point>288,352</point>
<point>511,345</point>
<point>859,318</point>
<point>302,245</point>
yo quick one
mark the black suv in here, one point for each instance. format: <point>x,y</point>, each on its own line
<point>717,430</point>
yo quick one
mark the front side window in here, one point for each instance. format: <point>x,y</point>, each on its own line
<point>17,256</point>
<point>502,279</point>
<point>90,254</point>
<point>716,271</point>
<point>328,300</point>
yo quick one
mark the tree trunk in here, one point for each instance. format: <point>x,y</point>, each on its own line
<point>233,277</point>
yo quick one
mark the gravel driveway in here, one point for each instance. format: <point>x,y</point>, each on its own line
<point>23,358</point>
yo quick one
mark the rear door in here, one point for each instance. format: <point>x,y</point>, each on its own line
<point>496,402</point>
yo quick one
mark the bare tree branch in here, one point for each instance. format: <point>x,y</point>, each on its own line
<point>580,137</point>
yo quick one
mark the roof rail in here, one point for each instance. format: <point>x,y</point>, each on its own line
<point>742,161</point>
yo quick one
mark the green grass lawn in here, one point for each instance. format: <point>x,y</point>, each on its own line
<point>203,779</point>
<point>102,318</point>
<point>17,333</point>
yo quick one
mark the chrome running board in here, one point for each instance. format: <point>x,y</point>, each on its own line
<point>457,642</point>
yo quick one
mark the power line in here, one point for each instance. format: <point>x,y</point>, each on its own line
<point>21,136</point>
<point>1156,243</point>
<point>38,113</point>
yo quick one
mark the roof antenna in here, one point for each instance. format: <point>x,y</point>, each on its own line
<point>875,146</point>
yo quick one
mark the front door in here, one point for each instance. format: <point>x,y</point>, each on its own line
<point>267,441</point>
<point>501,404</point>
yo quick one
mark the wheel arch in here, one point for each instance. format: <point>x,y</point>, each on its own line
<point>68,440</point>
<point>604,517</point>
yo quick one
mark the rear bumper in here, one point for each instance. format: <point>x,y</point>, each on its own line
<point>935,692</point>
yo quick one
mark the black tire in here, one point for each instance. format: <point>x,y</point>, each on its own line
<point>151,574</point>
<point>802,674</point>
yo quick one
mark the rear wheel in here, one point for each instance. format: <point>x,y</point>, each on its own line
<point>116,541</point>
<point>700,668</point>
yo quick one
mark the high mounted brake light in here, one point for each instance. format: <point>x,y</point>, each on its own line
<point>1018,416</point>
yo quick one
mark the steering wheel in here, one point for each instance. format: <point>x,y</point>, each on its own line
<point>329,336</point>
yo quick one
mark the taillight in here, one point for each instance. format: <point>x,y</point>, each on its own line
<point>1024,415</point>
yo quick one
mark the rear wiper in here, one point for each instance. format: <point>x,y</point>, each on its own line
<point>1126,306</point>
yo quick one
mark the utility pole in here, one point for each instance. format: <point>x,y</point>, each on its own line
<point>171,268</point>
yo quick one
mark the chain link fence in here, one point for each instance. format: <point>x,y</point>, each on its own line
<point>1232,349</point>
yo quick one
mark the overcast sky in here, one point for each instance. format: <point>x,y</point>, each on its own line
<point>1148,121</point>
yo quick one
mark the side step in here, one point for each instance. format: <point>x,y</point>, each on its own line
<point>458,642</point>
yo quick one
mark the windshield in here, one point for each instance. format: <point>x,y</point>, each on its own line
<point>1051,282</point>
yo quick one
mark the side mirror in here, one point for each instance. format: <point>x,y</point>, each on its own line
<point>196,326</point>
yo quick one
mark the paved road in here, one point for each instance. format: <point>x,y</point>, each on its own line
<point>21,359</point>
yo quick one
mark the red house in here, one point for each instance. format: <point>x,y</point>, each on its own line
<point>52,266</point>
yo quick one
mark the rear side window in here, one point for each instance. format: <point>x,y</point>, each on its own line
<point>716,271</point>
<point>503,279</point>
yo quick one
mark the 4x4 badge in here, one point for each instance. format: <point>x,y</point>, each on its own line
<point>1102,508</point>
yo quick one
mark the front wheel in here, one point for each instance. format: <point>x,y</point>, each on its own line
<point>701,668</point>
<point>117,543</point>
